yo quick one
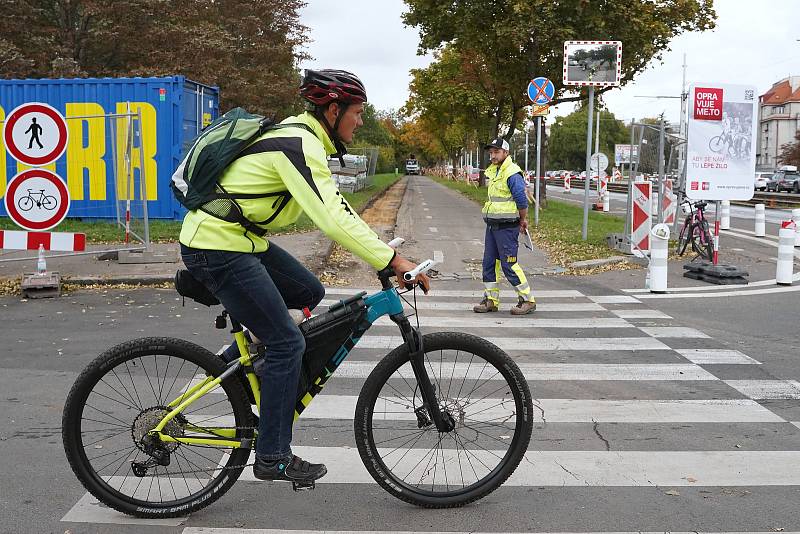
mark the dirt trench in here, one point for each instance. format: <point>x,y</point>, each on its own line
<point>343,268</point>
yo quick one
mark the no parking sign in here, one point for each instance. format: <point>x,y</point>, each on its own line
<point>35,134</point>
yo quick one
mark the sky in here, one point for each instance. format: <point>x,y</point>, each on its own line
<point>754,43</point>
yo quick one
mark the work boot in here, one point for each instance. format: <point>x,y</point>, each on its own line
<point>523,307</point>
<point>291,468</point>
<point>485,306</point>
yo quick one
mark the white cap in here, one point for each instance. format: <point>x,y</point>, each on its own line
<point>498,143</point>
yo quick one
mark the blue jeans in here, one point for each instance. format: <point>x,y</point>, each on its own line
<point>257,289</point>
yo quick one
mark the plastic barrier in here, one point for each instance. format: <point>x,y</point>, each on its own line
<point>761,228</point>
<point>796,220</point>
<point>784,270</point>
<point>659,250</point>
<point>725,215</point>
<point>641,220</point>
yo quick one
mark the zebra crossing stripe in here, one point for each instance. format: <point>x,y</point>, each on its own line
<point>516,322</point>
<point>551,371</point>
<point>613,299</point>
<point>224,530</point>
<point>716,356</point>
<point>455,293</point>
<point>673,331</point>
<point>90,510</point>
<point>466,306</point>
<point>342,407</point>
<point>767,389</point>
<point>541,343</point>
<point>640,314</point>
<point>599,468</point>
<point>570,410</point>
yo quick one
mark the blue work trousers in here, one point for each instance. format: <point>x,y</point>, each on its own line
<point>258,289</point>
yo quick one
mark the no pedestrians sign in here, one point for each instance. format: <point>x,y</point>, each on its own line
<point>35,134</point>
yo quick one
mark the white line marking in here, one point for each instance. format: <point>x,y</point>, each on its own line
<point>513,322</point>
<point>541,343</point>
<point>613,299</point>
<point>90,510</point>
<point>767,389</point>
<point>713,356</point>
<point>438,256</point>
<point>467,306</point>
<point>433,229</point>
<point>673,331</point>
<point>742,293</point>
<point>429,216</point>
<point>760,283</point>
<point>570,410</point>
<point>600,468</point>
<point>760,240</point>
<point>796,423</point>
<point>545,293</point>
<point>224,530</point>
<point>554,371</point>
<point>640,314</point>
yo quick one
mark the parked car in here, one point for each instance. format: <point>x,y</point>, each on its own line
<point>786,178</point>
<point>790,182</point>
<point>761,180</point>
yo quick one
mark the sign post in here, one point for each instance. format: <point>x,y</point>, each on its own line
<point>592,64</point>
<point>541,92</point>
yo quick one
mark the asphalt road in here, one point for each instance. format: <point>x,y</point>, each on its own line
<point>661,415</point>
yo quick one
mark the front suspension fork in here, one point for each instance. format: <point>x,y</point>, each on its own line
<point>413,340</point>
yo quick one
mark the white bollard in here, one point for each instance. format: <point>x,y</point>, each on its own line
<point>783,274</point>
<point>659,250</point>
<point>567,184</point>
<point>606,202</point>
<point>796,220</point>
<point>654,207</point>
<point>725,215</point>
<point>761,227</point>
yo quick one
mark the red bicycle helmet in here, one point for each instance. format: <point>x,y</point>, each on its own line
<point>328,85</point>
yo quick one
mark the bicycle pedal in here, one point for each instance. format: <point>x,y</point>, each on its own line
<point>303,486</point>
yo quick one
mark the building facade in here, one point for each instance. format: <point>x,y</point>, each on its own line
<point>779,118</point>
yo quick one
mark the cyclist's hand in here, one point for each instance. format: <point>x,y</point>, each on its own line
<point>400,265</point>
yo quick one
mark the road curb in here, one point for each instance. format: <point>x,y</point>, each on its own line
<point>145,280</point>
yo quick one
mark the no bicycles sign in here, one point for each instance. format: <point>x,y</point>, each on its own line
<point>37,199</point>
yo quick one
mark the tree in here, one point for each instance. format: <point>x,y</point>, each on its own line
<point>251,49</point>
<point>567,143</point>
<point>515,40</point>
<point>790,152</point>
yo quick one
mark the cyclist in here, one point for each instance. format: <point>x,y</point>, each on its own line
<point>256,280</point>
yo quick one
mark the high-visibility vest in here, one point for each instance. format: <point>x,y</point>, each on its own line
<point>501,206</point>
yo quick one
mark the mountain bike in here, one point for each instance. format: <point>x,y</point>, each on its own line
<point>695,229</point>
<point>161,427</point>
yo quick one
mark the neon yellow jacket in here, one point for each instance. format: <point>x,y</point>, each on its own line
<point>293,160</point>
<point>501,206</point>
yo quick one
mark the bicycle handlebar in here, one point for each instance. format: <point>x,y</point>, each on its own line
<point>423,267</point>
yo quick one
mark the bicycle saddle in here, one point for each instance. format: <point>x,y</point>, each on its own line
<point>188,286</point>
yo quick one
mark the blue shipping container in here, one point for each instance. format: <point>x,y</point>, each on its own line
<point>173,109</point>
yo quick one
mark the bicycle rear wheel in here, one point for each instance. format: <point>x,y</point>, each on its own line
<point>484,392</point>
<point>702,242</point>
<point>683,239</point>
<point>123,394</point>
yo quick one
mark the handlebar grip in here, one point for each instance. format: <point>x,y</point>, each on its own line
<point>396,242</point>
<point>421,268</point>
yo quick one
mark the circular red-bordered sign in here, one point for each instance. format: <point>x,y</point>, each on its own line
<point>35,134</point>
<point>37,199</point>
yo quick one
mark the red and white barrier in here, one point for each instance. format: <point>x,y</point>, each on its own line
<point>604,198</point>
<point>668,204</point>
<point>20,240</point>
<point>566,183</point>
<point>641,220</point>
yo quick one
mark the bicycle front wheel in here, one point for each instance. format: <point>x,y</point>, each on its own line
<point>683,239</point>
<point>484,392</point>
<point>121,396</point>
